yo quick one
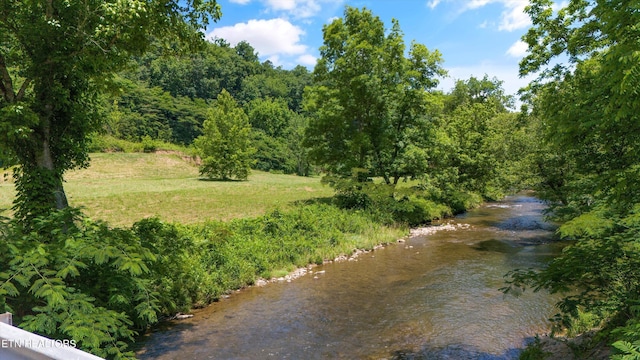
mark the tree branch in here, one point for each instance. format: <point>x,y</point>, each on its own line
<point>6,82</point>
<point>23,89</point>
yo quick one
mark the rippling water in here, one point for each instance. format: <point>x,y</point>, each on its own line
<point>433,297</point>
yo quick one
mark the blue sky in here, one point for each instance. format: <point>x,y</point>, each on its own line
<point>475,37</point>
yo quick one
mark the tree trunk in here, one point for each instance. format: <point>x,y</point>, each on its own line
<point>44,161</point>
<point>38,181</point>
<point>46,164</point>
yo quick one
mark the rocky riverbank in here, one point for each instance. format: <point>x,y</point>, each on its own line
<point>309,269</point>
<point>578,348</point>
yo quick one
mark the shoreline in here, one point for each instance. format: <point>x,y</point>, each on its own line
<point>308,269</point>
<point>414,232</point>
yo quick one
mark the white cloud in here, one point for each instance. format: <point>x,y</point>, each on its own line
<point>241,2</point>
<point>474,4</point>
<point>307,60</point>
<point>514,17</point>
<point>298,8</point>
<point>518,49</point>
<point>275,60</point>
<point>268,37</point>
<point>433,3</point>
<point>281,4</point>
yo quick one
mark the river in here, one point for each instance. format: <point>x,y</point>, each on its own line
<point>434,296</point>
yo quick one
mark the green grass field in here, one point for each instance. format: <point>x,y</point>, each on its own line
<point>122,188</point>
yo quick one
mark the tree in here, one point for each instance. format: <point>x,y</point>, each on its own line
<point>295,141</point>
<point>367,96</point>
<point>473,125</point>
<point>225,145</point>
<point>270,115</point>
<point>587,102</point>
<point>56,56</point>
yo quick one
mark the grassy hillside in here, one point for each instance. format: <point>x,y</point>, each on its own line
<point>122,188</point>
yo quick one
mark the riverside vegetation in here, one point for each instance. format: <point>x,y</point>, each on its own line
<point>104,75</point>
<point>101,293</point>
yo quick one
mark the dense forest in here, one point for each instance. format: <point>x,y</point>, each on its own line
<point>368,118</point>
<point>165,97</point>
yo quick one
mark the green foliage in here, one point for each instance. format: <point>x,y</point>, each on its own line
<point>148,144</point>
<point>272,154</point>
<point>179,276</point>
<point>60,281</point>
<point>607,284</point>
<point>270,116</point>
<point>387,203</point>
<point>585,110</point>
<point>244,249</point>
<point>476,145</point>
<point>225,144</point>
<point>138,111</point>
<point>627,346</point>
<point>165,96</point>
<point>583,323</point>
<point>629,351</point>
<point>534,351</point>
<point>368,101</point>
<point>110,144</point>
<point>55,60</point>
<point>65,284</point>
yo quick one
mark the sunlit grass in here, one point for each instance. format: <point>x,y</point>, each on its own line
<point>122,188</point>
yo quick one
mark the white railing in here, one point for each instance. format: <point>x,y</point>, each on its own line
<point>18,344</point>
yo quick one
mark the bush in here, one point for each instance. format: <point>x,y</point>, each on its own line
<point>63,283</point>
<point>107,143</point>
<point>460,201</point>
<point>416,211</point>
<point>148,145</point>
<point>389,205</point>
<point>177,275</point>
<point>72,278</point>
<point>68,277</point>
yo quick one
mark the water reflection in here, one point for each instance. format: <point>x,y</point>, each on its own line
<point>433,297</point>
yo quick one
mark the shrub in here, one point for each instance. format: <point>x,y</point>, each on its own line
<point>63,283</point>
<point>70,277</point>
<point>415,210</point>
<point>148,144</point>
<point>460,201</point>
<point>106,143</point>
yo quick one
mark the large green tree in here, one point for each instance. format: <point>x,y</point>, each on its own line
<point>55,57</point>
<point>473,125</point>
<point>225,145</point>
<point>368,97</point>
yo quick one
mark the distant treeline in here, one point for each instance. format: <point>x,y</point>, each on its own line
<point>165,96</point>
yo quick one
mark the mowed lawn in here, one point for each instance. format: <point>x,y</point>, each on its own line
<point>124,188</point>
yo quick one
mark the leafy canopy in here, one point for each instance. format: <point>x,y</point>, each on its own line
<point>587,103</point>
<point>225,145</point>
<point>367,98</point>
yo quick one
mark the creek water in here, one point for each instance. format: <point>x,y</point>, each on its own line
<point>434,296</point>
